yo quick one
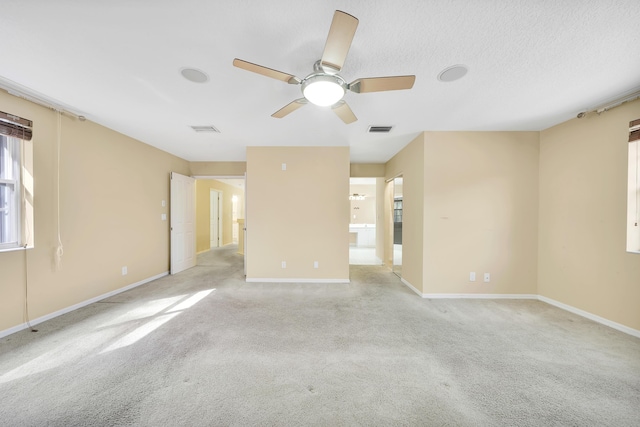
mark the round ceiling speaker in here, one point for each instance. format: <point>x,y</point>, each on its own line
<point>194,75</point>
<point>453,73</point>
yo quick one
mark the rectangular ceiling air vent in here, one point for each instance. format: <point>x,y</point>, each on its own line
<point>205,129</point>
<point>380,129</point>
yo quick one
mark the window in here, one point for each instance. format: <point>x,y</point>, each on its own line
<point>16,182</point>
<point>397,210</point>
<point>633,189</point>
<point>9,192</point>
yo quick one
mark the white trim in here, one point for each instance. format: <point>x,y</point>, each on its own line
<point>571,309</point>
<point>220,176</point>
<point>79,305</point>
<point>595,318</point>
<point>412,288</point>
<point>481,296</point>
<point>469,296</point>
<point>16,248</point>
<point>286,280</point>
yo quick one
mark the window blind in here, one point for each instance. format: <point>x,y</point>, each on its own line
<point>634,130</point>
<point>15,126</point>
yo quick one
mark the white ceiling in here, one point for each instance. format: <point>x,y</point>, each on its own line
<point>532,64</point>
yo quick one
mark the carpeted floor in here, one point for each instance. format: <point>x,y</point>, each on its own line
<point>204,348</point>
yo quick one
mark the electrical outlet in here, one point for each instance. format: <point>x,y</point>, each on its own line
<point>315,264</point>
<point>472,276</point>
<point>124,270</point>
<point>284,264</point>
<point>487,277</point>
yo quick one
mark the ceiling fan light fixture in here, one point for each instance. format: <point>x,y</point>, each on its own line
<point>323,90</point>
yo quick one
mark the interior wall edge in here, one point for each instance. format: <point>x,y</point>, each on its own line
<point>413,288</point>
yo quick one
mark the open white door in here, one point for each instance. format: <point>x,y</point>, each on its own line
<point>183,222</point>
<point>245,224</point>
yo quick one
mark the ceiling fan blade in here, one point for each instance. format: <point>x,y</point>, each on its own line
<point>259,69</point>
<point>289,108</point>
<point>343,28</point>
<point>344,112</point>
<point>379,84</point>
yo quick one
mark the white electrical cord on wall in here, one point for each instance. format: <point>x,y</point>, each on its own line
<point>59,251</point>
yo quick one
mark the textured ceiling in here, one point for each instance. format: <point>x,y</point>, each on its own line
<point>532,64</point>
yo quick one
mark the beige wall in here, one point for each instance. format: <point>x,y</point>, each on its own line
<point>203,224</point>
<point>218,168</point>
<point>366,170</point>
<point>583,185</point>
<point>481,212</point>
<point>542,212</point>
<point>366,209</point>
<point>300,215</point>
<point>111,189</point>
<point>409,163</point>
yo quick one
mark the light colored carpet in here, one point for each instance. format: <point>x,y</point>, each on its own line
<point>363,256</point>
<point>204,348</point>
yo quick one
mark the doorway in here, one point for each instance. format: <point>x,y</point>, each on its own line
<point>220,211</point>
<point>364,233</point>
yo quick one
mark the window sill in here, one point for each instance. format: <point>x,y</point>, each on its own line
<point>19,248</point>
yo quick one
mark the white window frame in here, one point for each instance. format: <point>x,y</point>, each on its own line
<point>10,212</point>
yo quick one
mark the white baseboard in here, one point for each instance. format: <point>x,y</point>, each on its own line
<point>66,310</point>
<point>469,296</point>
<point>586,314</point>
<point>590,316</point>
<point>410,286</point>
<point>481,296</point>
<point>270,280</point>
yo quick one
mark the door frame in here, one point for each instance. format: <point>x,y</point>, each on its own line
<point>215,211</point>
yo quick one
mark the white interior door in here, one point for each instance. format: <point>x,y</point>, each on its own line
<point>245,223</point>
<point>183,222</point>
<point>215,224</point>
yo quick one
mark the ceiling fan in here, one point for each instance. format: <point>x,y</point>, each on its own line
<point>324,86</point>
